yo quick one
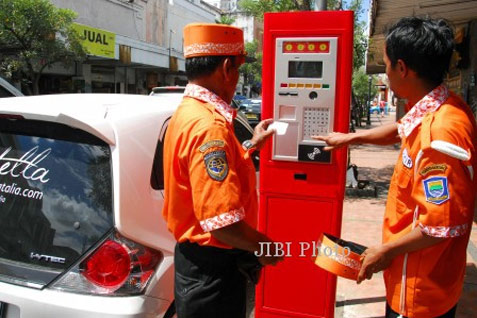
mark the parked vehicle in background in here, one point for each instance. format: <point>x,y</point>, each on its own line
<point>239,98</point>
<point>252,109</point>
<point>7,89</point>
<point>167,90</point>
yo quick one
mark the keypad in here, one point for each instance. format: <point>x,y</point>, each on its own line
<point>315,121</point>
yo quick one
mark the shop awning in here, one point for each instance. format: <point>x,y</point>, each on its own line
<point>386,12</point>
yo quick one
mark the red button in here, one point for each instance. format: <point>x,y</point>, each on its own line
<point>283,85</point>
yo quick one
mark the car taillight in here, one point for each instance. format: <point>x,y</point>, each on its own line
<point>109,266</point>
<point>117,267</point>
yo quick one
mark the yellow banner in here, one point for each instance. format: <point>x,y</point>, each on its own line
<point>96,41</point>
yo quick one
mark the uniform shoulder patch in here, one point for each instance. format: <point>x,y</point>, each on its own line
<point>212,143</point>
<point>216,165</point>
<point>436,167</point>
<point>436,190</point>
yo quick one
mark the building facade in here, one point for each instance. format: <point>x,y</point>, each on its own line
<point>133,45</point>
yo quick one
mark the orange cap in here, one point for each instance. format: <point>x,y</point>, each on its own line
<point>207,39</point>
<point>339,257</point>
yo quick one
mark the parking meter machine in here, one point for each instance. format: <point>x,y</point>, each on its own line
<point>307,62</point>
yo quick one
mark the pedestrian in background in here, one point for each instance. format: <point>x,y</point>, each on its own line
<point>431,197</point>
<point>211,201</point>
<point>382,104</point>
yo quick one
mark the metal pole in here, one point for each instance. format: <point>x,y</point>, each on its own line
<point>170,48</point>
<point>368,118</point>
<point>321,5</point>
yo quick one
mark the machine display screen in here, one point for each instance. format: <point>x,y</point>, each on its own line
<point>305,69</point>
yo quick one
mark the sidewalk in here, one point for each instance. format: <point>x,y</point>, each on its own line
<point>362,223</point>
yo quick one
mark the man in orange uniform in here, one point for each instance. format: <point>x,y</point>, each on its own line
<point>431,197</point>
<point>210,188</point>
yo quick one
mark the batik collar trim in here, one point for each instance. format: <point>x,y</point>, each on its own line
<point>204,95</point>
<point>428,104</point>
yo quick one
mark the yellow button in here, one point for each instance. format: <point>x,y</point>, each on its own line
<point>301,47</point>
<point>300,85</point>
<point>308,85</point>
<point>316,85</point>
<point>288,47</point>
<point>323,47</point>
<point>311,47</point>
<point>292,85</point>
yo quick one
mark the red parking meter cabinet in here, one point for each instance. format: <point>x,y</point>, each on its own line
<point>307,62</point>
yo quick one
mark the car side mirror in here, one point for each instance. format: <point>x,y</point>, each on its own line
<point>242,108</point>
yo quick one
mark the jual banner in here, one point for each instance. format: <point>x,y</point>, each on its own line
<point>96,41</point>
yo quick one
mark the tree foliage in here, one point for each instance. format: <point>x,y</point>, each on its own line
<point>225,19</point>
<point>34,34</point>
<point>257,8</point>
<point>361,86</point>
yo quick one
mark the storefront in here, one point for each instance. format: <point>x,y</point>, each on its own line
<point>115,64</point>
<point>463,16</point>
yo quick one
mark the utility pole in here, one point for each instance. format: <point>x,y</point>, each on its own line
<point>321,5</point>
<point>170,46</point>
<point>368,108</point>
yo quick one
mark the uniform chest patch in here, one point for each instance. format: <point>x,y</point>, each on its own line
<point>406,159</point>
<point>436,190</point>
<point>216,165</point>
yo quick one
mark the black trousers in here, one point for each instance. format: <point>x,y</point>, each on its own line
<point>208,283</point>
<point>392,314</point>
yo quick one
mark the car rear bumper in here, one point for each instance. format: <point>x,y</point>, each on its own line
<point>22,302</point>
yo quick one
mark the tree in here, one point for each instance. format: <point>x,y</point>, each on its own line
<point>34,35</point>
<point>225,19</point>
<point>252,70</point>
<point>360,40</point>
<point>257,8</point>
<point>361,86</point>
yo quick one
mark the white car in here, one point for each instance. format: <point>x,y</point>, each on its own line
<point>81,231</point>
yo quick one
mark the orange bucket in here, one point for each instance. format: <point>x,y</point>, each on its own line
<point>339,257</point>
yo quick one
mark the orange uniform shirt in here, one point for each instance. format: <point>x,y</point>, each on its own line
<point>209,181</point>
<point>432,188</point>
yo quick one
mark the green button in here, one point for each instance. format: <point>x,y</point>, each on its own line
<point>326,85</point>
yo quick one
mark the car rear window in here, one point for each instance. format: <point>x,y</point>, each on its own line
<point>55,196</point>
<point>4,92</point>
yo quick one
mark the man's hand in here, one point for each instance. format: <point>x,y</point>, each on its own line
<point>334,140</point>
<point>260,133</point>
<point>377,258</point>
<point>243,236</point>
<point>269,260</point>
<point>374,259</point>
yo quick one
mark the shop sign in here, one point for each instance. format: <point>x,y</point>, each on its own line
<point>96,41</point>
